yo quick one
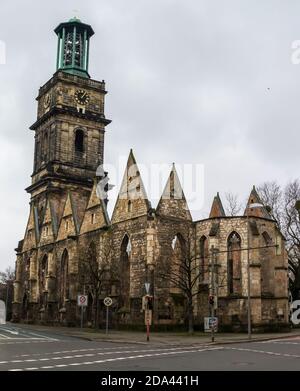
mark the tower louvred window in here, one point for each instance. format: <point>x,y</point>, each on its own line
<point>79,141</point>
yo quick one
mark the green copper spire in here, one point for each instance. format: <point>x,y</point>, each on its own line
<point>73,47</point>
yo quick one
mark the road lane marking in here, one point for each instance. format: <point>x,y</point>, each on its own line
<point>101,349</point>
<point>75,351</point>
<point>26,342</point>
<point>90,355</point>
<point>18,338</point>
<point>287,340</point>
<point>9,331</point>
<point>121,358</point>
<point>25,333</point>
<point>42,336</point>
<point>264,352</point>
<point>22,335</point>
<point>287,343</point>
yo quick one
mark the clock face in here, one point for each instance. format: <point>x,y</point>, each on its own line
<point>47,101</point>
<point>82,97</point>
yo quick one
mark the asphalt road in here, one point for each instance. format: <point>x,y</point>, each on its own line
<point>23,349</point>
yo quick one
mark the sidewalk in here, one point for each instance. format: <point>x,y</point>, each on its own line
<point>159,338</point>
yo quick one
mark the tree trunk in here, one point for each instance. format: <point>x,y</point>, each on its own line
<point>96,311</point>
<point>190,316</point>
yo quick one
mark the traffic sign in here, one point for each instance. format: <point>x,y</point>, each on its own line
<point>82,300</point>
<point>210,323</point>
<point>107,301</point>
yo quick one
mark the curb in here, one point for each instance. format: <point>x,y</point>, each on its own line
<point>97,339</point>
<point>182,343</point>
<point>262,339</point>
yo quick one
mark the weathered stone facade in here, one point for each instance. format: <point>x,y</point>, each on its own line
<point>68,224</point>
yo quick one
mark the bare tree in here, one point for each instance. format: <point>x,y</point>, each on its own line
<point>233,206</point>
<point>7,275</point>
<point>181,271</point>
<point>6,288</point>
<point>271,196</point>
<point>99,271</point>
<point>282,203</point>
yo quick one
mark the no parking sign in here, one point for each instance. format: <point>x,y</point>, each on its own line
<point>82,300</point>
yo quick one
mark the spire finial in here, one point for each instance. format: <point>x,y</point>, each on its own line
<point>75,13</point>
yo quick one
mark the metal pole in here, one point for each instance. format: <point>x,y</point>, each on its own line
<point>148,330</point>
<point>107,319</point>
<point>82,309</point>
<point>81,321</point>
<point>248,277</point>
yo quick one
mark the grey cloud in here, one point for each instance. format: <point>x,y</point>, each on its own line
<point>189,81</point>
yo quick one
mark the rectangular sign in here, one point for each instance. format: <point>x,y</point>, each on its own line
<point>82,300</point>
<point>147,287</point>
<point>148,317</point>
<point>209,323</point>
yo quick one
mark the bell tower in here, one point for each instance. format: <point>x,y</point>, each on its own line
<point>70,126</point>
<point>73,47</point>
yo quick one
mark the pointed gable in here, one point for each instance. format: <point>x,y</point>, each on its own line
<point>95,215</point>
<point>173,202</point>
<point>31,234</point>
<point>68,225</point>
<point>217,209</point>
<point>49,225</point>
<point>132,199</point>
<point>259,211</point>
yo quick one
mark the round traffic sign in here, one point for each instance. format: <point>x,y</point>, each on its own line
<point>82,300</point>
<point>108,301</point>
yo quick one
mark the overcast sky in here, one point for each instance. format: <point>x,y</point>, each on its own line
<point>189,81</point>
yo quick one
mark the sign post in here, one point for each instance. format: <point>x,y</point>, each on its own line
<point>82,301</point>
<point>107,302</point>
<point>147,307</point>
<point>148,312</point>
<point>148,322</point>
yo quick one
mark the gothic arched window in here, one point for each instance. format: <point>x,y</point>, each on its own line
<point>180,268</point>
<point>129,207</point>
<point>203,257</point>
<point>234,264</point>
<point>79,141</point>
<point>125,272</point>
<point>43,271</point>
<point>64,277</point>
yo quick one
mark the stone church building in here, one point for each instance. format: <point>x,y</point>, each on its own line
<point>72,246</point>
